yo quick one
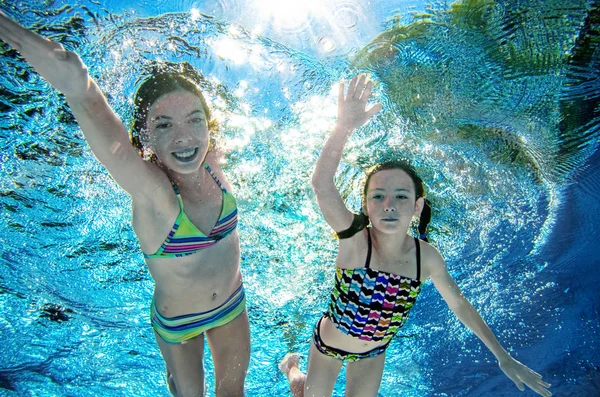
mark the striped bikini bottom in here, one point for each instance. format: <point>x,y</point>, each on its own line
<point>179,329</point>
<point>342,354</point>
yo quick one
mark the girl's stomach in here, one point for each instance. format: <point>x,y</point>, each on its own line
<point>333,337</point>
<point>198,282</point>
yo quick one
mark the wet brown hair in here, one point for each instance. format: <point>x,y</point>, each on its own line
<point>396,165</point>
<point>164,79</point>
<point>362,220</point>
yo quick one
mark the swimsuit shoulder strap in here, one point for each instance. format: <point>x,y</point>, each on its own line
<point>368,261</point>
<point>418,246</point>
<point>210,171</point>
<point>179,199</point>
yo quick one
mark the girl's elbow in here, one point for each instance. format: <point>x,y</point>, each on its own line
<point>460,306</point>
<point>318,183</point>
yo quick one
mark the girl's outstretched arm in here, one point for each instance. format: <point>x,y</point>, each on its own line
<point>102,128</point>
<point>466,313</point>
<point>352,113</point>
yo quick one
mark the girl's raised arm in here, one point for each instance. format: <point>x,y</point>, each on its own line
<point>466,313</point>
<point>102,128</point>
<point>352,113</point>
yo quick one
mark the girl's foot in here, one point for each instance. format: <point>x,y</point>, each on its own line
<point>288,362</point>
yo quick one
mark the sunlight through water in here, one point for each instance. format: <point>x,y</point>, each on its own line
<point>495,103</point>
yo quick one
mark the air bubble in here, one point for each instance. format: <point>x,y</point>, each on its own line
<point>327,45</point>
<point>346,17</point>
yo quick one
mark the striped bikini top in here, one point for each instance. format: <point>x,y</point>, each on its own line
<point>186,239</point>
<point>372,305</point>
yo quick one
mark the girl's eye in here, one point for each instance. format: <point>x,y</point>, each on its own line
<point>401,197</point>
<point>196,120</point>
<point>162,126</point>
<point>377,197</point>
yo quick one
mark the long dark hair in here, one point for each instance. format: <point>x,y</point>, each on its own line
<point>396,165</point>
<point>165,78</point>
<point>362,220</point>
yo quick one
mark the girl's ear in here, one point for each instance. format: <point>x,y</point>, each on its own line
<point>419,204</point>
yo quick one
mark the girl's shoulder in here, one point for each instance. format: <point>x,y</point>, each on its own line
<point>431,259</point>
<point>352,251</point>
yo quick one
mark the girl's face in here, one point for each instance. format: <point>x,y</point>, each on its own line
<point>177,131</point>
<point>390,201</point>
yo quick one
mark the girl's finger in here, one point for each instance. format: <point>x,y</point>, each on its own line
<point>545,384</point>
<point>352,86</point>
<point>367,92</point>
<point>539,390</point>
<point>374,110</point>
<point>360,85</point>
<point>532,372</point>
<point>517,382</point>
<point>341,92</point>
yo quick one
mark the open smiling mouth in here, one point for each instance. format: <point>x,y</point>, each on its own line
<point>186,155</point>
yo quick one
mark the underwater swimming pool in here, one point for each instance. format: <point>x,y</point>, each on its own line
<point>496,103</point>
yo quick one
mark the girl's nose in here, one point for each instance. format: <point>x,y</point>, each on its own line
<point>389,206</point>
<point>183,135</point>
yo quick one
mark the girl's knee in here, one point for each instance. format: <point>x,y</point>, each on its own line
<point>189,391</point>
<point>230,382</point>
<point>171,384</point>
<point>234,389</point>
<point>187,387</point>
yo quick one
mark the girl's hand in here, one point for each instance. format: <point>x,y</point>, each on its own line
<point>64,70</point>
<point>520,374</point>
<point>352,111</point>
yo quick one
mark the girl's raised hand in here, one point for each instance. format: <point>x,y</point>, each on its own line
<point>521,374</point>
<point>64,70</point>
<point>352,112</point>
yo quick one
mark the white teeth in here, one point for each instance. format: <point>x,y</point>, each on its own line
<point>185,154</point>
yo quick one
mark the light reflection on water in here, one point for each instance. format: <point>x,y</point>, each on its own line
<point>67,223</point>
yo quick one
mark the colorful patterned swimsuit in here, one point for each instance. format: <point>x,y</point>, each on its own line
<point>369,304</point>
<point>186,239</point>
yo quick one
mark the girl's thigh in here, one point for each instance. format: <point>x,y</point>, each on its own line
<point>185,369</point>
<point>230,349</point>
<point>321,374</point>
<point>363,377</point>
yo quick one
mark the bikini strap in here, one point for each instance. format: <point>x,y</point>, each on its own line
<point>179,198</point>
<point>418,246</point>
<point>210,171</point>
<point>368,261</point>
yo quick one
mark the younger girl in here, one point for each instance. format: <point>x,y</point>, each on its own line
<point>379,271</point>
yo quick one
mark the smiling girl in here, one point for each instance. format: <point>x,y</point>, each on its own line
<point>184,214</point>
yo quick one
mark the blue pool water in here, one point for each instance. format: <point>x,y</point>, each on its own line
<point>496,103</point>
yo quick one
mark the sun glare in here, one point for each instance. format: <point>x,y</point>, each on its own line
<point>286,14</point>
<point>195,14</point>
<point>332,23</point>
<point>231,50</point>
